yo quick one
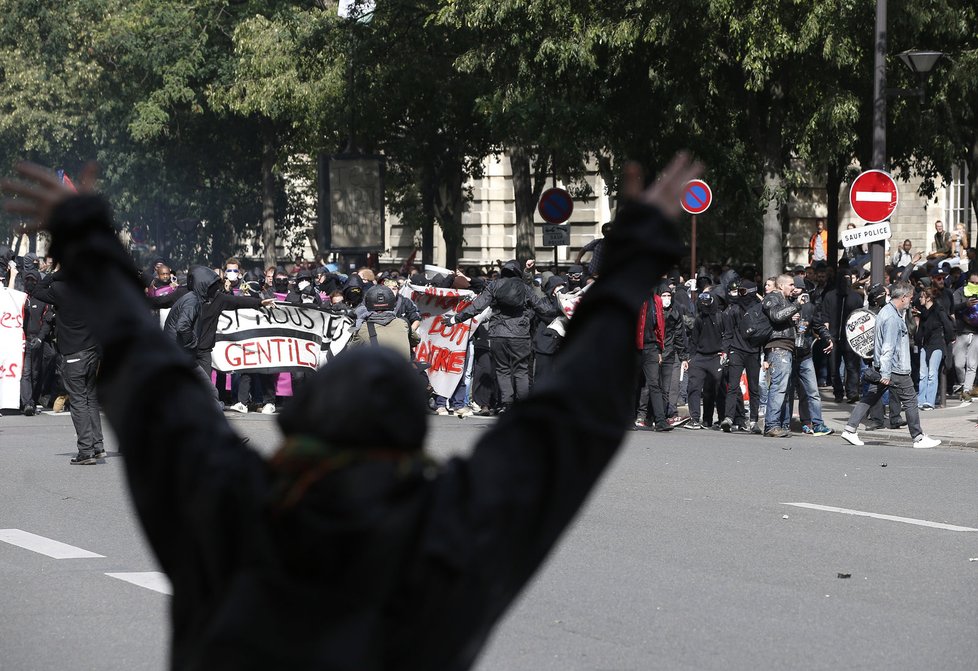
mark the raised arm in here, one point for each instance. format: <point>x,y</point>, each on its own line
<point>529,475</point>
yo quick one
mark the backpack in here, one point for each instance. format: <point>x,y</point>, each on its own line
<point>755,326</point>
<point>510,294</point>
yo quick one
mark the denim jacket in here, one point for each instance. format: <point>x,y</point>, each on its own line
<point>891,353</point>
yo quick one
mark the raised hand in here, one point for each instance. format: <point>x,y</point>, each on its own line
<point>667,190</point>
<point>38,191</point>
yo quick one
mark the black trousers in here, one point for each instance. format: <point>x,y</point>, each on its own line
<point>204,365</point>
<point>511,357</point>
<point>79,371</point>
<point>31,376</point>
<point>740,362</point>
<point>705,374</point>
<point>651,393</point>
<point>847,384</point>
<point>543,366</point>
<point>484,389</point>
<point>901,390</point>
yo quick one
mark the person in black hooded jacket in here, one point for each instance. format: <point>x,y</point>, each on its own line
<point>349,549</point>
<point>548,335</point>
<point>510,327</point>
<point>742,357</point>
<point>38,325</point>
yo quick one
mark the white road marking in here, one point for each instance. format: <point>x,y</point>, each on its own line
<point>154,580</point>
<point>891,518</point>
<point>873,197</point>
<point>44,546</point>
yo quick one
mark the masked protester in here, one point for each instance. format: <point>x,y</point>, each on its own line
<point>349,549</point>
<point>706,361</point>
<point>38,325</point>
<point>510,327</point>
<point>837,304</point>
<point>650,341</point>
<point>743,357</point>
<point>304,292</point>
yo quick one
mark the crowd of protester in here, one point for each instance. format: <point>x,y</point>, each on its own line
<point>739,351</point>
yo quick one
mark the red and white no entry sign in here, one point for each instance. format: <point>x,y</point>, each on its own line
<point>874,196</point>
<point>697,196</point>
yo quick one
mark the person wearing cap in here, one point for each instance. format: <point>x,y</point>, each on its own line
<point>380,327</point>
<point>742,357</point>
<point>705,364</point>
<point>350,549</point>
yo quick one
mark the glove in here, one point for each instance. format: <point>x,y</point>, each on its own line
<point>34,343</point>
<point>448,320</point>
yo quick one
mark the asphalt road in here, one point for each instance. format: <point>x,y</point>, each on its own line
<point>687,557</point>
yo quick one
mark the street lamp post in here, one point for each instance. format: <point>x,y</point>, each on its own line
<point>920,63</point>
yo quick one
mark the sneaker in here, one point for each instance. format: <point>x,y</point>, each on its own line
<point>822,430</point>
<point>923,442</point>
<point>726,424</point>
<point>83,461</point>
<point>776,432</point>
<point>676,420</point>
<point>640,423</point>
<point>852,399</point>
<point>852,438</point>
<point>873,426</point>
<point>442,410</point>
<point>695,426</point>
<point>662,426</point>
<point>807,430</point>
<point>475,408</point>
<point>755,429</point>
<point>464,412</point>
<point>926,406</point>
<point>100,453</point>
<point>239,407</point>
<point>965,402</point>
<point>29,410</point>
<point>268,409</point>
<point>897,425</point>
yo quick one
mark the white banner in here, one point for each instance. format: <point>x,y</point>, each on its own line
<point>443,347</point>
<point>278,339</point>
<point>11,346</point>
<point>861,332</point>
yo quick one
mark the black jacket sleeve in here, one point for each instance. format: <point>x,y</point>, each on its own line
<point>508,503</point>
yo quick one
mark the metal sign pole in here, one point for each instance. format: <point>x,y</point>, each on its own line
<point>692,255</point>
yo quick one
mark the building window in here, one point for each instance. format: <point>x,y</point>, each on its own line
<point>958,208</point>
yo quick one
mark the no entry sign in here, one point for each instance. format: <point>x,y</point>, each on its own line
<point>697,197</point>
<point>874,196</point>
<point>556,206</point>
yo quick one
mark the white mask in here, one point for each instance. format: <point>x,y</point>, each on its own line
<point>303,284</point>
<point>666,301</point>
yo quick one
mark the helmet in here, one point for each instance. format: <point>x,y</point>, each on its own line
<point>379,298</point>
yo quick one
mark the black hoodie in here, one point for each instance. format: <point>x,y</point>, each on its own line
<point>183,324</point>
<point>72,328</point>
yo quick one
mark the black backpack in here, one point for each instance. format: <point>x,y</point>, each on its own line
<point>510,294</point>
<point>755,326</point>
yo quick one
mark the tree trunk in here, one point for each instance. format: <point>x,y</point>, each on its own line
<point>832,185</point>
<point>773,198</point>
<point>527,186</point>
<point>268,199</point>
<point>449,205</point>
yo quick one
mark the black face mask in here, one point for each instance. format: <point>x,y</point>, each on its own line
<point>281,285</point>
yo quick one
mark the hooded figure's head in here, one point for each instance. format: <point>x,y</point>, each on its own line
<point>379,298</point>
<point>366,398</point>
<point>510,269</point>
<point>204,282</point>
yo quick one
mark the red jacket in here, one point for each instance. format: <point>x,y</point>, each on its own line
<point>660,323</point>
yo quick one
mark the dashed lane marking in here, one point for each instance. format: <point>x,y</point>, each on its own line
<point>45,546</point>
<point>891,518</point>
<point>154,580</point>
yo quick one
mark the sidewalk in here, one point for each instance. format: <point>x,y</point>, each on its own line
<point>954,426</point>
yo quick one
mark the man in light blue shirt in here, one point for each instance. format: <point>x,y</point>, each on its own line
<point>891,363</point>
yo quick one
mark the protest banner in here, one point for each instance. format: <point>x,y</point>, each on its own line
<point>278,339</point>
<point>443,348</point>
<point>11,346</point>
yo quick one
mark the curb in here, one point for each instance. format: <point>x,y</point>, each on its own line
<point>904,436</point>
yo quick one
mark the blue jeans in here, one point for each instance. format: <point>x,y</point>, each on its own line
<point>805,386</point>
<point>779,369</point>
<point>929,368</point>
